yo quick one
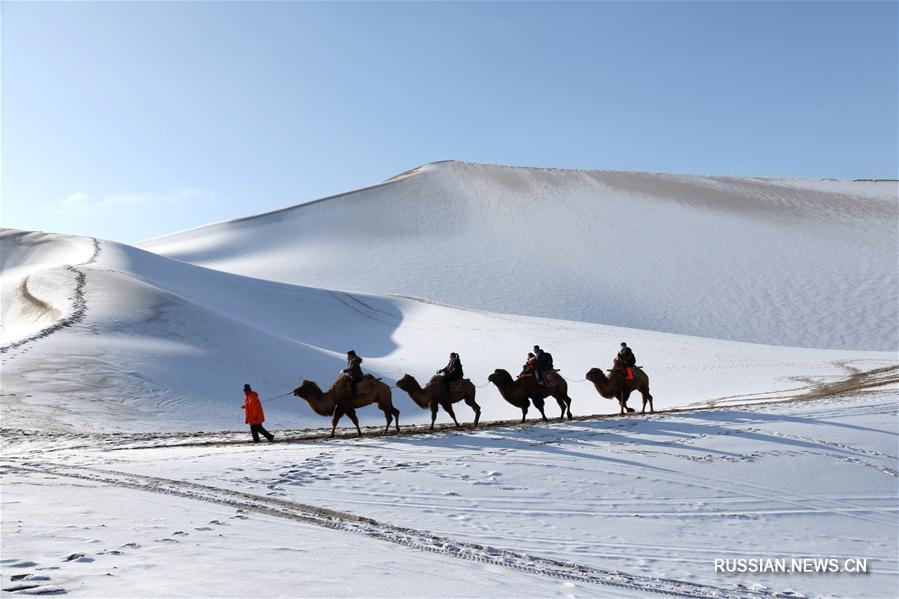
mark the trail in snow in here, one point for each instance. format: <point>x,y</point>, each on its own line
<point>78,307</point>
<point>625,506</point>
<point>418,540</point>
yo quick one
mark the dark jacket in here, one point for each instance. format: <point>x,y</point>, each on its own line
<point>354,367</point>
<point>544,362</point>
<point>627,357</point>
<point>453,370</point>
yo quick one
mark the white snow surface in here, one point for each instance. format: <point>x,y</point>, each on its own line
<point>625,507</point>
<point>163,345</point>
<point>805,263</point>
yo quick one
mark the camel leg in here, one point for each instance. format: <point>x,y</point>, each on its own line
<point>646,398</point>
<point>434,407</point>
<point>389,417</point>
<point>568,406</point>
<point>448,407</point>
<point>524,412</point>
<point>538,403</point>
<point>396,419</point>
<point>625,395</point>
<point>561,403</point>
<point>338,413</point>
<point>622,403</point>
<point>477,410</point>
<point>351,412</point>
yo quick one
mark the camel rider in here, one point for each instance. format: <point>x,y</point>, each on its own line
<point>627,361</point>
<point>626,356</point>
<point>353,369</point>
<point>452,372</point>
<point>530,365</point>
<point>543,362</point>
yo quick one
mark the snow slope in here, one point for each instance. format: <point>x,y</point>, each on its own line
<point>32,304</point>
<point>807,263</point>
<point>116,359</point>
<point>147,343</point>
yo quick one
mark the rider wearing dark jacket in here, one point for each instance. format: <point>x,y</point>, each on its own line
<point>541,362</point>
<point>452,371</point>
<point>626,356</point>
<point>353,369</point>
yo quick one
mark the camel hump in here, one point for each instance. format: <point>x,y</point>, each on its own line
<point>454,387</point>
<point>341,380</point>
<point>459,386</point>
<point>628,373</point>
<point>439,378</point>
<point>550,379</point>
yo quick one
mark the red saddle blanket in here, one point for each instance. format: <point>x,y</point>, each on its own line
<point>457,386</point>
<point>549,379</point>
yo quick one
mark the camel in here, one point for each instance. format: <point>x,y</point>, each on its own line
<point>435,395</point>
<point>616,386</point>
<point>337,400</point>
<point>518,391</point>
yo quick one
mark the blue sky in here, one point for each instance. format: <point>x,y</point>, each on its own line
<point>130,120</point>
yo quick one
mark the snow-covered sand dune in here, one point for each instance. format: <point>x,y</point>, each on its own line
<point>100,337</point>
<point>807,263</point>
<point>162,345</point>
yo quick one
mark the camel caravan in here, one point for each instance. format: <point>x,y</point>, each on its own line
<point>538,380</point>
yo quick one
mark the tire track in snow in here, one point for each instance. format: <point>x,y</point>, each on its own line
<point>79,304</point>
<point>416,539</point>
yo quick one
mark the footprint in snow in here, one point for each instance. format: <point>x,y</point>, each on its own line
<point>36,589</point>
<point>14,563</point>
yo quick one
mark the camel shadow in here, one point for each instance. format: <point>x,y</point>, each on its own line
<point>508,440</point>
<point>668,434</point>
<point>750,417</point>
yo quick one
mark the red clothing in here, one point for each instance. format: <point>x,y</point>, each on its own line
<point>253,408</point>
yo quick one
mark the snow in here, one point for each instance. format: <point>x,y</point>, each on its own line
<point>177,357</point>
<point>793,262</point>
<point>35,285</point>
<point>630,506</point>
<point>764,312</point>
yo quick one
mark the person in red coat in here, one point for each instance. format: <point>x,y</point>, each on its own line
<point>254,415</point>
